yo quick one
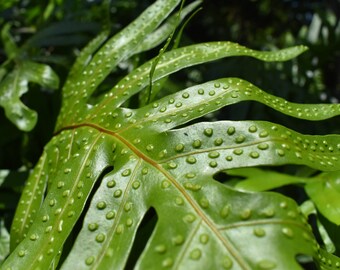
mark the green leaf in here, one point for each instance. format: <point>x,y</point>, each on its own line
<point>163,169</point>
<point>161,51</point>
<point>328,261</point>
<point>58,225</point>
<point>15,84</point>
<point>325,193</point>
<point>151,92</point>
<point>308,208</point>
<point>161,34</point>
<point>107,166</point>
<point>26,211</point>
<point>116,49</point>
<point>10,47</point>
<point>207,220</point>
<point>169,63</point>
<point>188,56</point>
<point>4,242</point>
<point>329,245</point>
<point>323,189</point>
<point>197,101</point>
<point>85,55</point>
<point>3,175</point>
<point>262,180</point>
<point>7,4</point>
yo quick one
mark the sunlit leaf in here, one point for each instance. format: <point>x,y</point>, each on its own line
<point>107,166</point>
<point>328,261</point>
<point>323,189</point>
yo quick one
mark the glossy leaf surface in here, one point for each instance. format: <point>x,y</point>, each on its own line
<point>110,165</point>
<point>323,189</point>
<point>328,261</point>
<point>329,205</point>
<point>15,84</point>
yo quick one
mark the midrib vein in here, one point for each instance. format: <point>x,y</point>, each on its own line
<point>224,239</point>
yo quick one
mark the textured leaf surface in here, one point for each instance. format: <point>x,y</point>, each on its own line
<point>167,175</point>
<point>158,36</point>
<point>26,211</point>
<point>116,49</point>
<point>323,189</point>
<point>110,165</point>
<point>328,261</point>
<point>169,63</point>
<point>206,220</point>
<point>172,165</point>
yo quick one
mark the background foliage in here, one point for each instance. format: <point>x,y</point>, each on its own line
<point>55,31</point>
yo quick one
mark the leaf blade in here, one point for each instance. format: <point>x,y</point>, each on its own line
<point>159,35</point>
<point>15,84</point>
<point>327,261</point>
<point>262,180</point>
<point>199,100</point>
<point>113,218</point>
<point>10,47</point>
<point>117,48</point>
<point>325,194</point>
<point>60,210</point>
<point>175,60</point>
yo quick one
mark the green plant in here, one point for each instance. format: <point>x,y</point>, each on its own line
<point>108,164</point>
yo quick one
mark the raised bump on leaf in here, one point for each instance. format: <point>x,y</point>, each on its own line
<point>174,60</point>
<point>116,49</point>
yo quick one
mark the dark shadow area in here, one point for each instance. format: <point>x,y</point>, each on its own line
<point>142,236</point>
<point>79,224</point>
<point>10,195</point>
<point>306,262</point>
